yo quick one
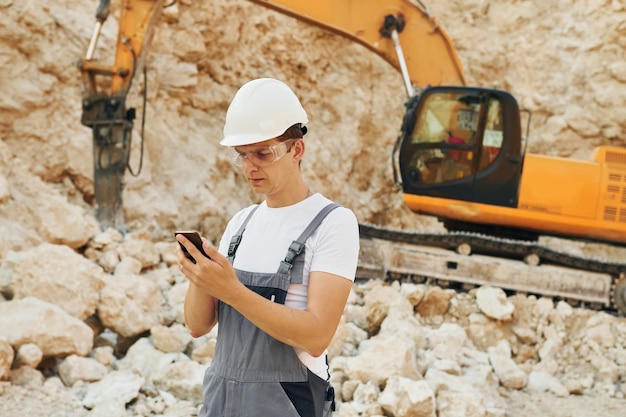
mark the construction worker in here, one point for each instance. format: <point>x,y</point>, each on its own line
<point>279,282</point>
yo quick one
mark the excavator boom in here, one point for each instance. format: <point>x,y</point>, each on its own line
<point>432,60</point>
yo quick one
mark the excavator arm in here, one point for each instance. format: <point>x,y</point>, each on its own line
<point>105,88</point>
<point>403,32</point>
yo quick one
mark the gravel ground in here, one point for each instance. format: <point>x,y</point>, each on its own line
<point>51,400</point>
<point>522,404</point>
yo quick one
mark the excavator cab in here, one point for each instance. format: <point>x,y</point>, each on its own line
<point>462,143</point>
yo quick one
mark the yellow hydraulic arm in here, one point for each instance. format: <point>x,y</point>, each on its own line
<point>429,56</point>
<point>136,25</point>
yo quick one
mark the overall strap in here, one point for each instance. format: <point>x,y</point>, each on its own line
<point>236,239</point>
<point>297,245</point>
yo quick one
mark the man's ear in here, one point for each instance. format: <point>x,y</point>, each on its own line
<point>298,149</point>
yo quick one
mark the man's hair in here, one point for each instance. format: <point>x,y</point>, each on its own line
<point>296,131</point>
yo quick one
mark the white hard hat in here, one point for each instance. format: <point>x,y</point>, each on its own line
<point>262,109</point>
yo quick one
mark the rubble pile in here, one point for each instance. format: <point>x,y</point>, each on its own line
<point>104,330</point>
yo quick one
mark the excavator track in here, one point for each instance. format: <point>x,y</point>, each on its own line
<point>506,263</point>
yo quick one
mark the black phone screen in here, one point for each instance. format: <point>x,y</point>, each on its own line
<point>194,238</point>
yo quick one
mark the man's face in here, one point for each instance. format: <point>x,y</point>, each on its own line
<point>268,165</point>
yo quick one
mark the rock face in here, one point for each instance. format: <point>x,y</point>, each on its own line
<point>569,74</point>
<point>92,321</point>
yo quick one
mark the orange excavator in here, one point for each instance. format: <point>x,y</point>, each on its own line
<point>460,156</point>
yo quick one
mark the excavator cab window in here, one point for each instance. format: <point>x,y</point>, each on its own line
<point>444,140</point>
<point>449,140</point>
<point>461,143</point>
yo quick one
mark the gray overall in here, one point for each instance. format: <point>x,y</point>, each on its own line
<point>252,374</point>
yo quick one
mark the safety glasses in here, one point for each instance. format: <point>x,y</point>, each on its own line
<point>261,156</point>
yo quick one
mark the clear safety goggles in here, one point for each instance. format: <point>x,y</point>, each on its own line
<point>261,156</point>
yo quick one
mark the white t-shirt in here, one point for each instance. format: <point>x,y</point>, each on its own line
<point>332,248</point>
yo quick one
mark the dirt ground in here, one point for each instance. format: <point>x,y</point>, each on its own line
<point>522,404</point>
<point>49,401</point>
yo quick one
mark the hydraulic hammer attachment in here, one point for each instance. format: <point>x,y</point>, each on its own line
<point>112,127</point>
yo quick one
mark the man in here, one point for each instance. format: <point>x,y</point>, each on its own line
<point>279,282</point>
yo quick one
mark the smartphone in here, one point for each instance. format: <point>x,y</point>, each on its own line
<point>194,238</point>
